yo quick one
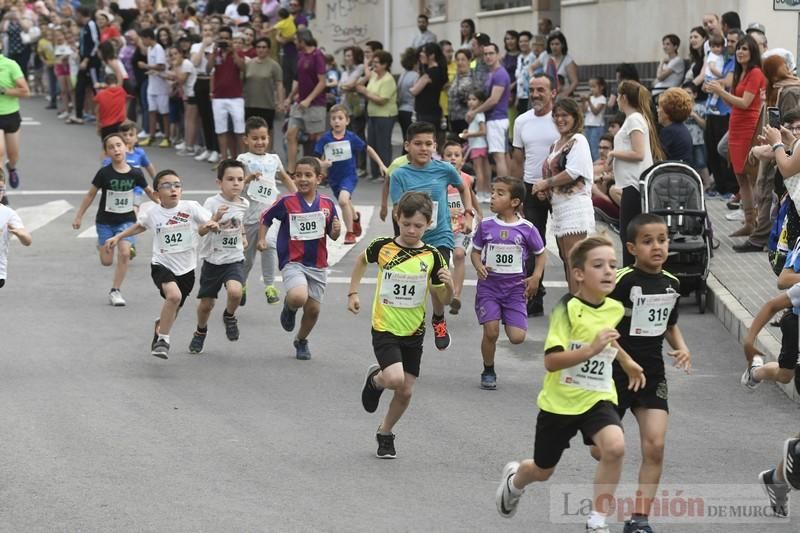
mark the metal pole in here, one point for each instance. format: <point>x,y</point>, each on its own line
<point>797,57</point>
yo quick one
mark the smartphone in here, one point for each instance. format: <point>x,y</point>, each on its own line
<point>774,117</point>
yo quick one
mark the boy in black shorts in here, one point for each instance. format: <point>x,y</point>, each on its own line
<point>406,268</point>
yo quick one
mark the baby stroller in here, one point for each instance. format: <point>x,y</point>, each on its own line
<point>674,191</point>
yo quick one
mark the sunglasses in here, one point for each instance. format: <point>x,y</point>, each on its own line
<point>170,185</point>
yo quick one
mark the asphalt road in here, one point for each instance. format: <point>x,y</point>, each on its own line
<point>100,436</point>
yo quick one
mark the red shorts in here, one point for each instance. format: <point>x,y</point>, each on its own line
<point>478,152</point>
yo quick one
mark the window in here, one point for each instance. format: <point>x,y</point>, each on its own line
<point>495,5</point>
<point>435,8</point>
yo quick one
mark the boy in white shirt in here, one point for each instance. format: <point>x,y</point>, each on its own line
<point>712,68</point>
<point>175,223</point>
<point>10,224</point>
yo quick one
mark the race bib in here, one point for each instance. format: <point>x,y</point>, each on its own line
<point>504,258</point>
<point>228,240</point>
<point>262,191</point>
<point>119,201</point>
<point>338,151</point>
<point>456,210</point>
<point>434,216</point>
<point>651,313</point>
<point>403,290</point>
<point>175,238</point>
<point>307,226</point>
<point>594,374</point>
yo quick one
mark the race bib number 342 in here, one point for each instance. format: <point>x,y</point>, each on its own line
<point>175,238</point>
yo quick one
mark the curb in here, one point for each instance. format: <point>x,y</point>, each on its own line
<point>738,320</point>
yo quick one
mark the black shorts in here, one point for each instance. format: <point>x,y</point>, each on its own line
<point>789,345</point>
<point>213,277</point>
<point>2,283</point>
<point>553,431</point>
<point>391,349</point>
<point>162,274</point>
<point>653,396</point>
<point>10,123</point>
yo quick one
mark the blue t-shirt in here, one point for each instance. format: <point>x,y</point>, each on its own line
<point>433,179</point>
<point>336,151</point>
<point>676,142</point>
<point>136,159</point>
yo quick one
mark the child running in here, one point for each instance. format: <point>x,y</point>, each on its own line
<point>115,214</point>
<point>339,147</point>
<point>424,174</point>
<point>223,254</point>
<point>778,481</point>
<point>501,246</point>
<point>650,297</point>
<point>136,156</point>
<point>406,268</point>
<point>262,191</point>
<point>578,391</point>
<point>175,223</point>
<point>454,154</point>
<point>10,224</point>
<point>306,218</point>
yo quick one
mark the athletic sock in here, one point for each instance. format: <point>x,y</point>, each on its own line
<point>227,314</point>
<point>596,519</point>
<point>436,318</point>
<point>513,488</point>
<point>202,331</point>
<point>164,338</point>
<point>775,480</point>
<point>488,369</point>
<point>639,518</point>
<point>114,290</point>
<point>375,384</point>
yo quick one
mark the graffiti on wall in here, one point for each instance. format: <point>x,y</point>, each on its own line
<point>347,22</point>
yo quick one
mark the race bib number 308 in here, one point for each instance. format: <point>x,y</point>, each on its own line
<point>504,258</point>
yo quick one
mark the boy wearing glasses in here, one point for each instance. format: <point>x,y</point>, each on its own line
<point>175,223</point>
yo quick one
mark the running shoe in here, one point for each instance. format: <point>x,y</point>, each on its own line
<point>350,238</point>
<point>180,146</point>
<point>737,215</point>
<point>133,252</point>
<point>231,327</point>
<point>455,306</point>
<point>791,463</point>
<point>186,153</point>
<point>63,115</point>
<point>155,334</point>
<point>632,526</point>
<point>370,394</point>
<point>272,294</point>
<point>74,120</point>
<point>196,345</point>
<point>13,177</point>
<point>115,298</point>
<point>747,379</point>
<point>778,494</point>
<point>288,317</point>
<point>164,143</point>
<point>385,446</point>
<point>735,202</point>
<point>142,135</point>
<point>213,158</point>
<point>301,349</point>
<point>598,529</point>
<point>160,349</point>
<point>244,296</point>
<point>488,381</point>
<point>145,142</point>
<point>357,225</point>
<point>202,156</point>
<point>441,335</point>
<point>505,500</point>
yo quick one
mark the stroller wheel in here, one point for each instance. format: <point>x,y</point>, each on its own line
<point>701,296</point>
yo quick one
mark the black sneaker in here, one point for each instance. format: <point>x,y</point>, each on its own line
<point>288,318</point>
<point>231,327</point>
<point>196,345</point>
<point>160,349</point>
<point>301,349</point>
<point>734,203</point>
<point>632,526</point>
<point>155,334</point>
<point>776,492</point>
<point>385,446</point>
<point>441,335</point>
<point>370,394</point>
<point>791,463</point>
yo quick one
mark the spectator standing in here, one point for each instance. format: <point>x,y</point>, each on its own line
<point>381,95</point>
<point>263,86</point>
<point>13,86</point>
<point>432,78</point>
<point>449,54</point>
<point>88,70</point>
<point>522,76</point>
<point>424,36</point>
<point>480,70</point>
<point>467,32</point>
<point>594,109</point>
<point>671,69</point>
<point>158,89</point>
<point>696,123</point>
<point>406,80</point>
<point>458,92</point>
<point>697,56</point>
<point>199,54</point>
<point>560,65</point>
<point>510,58</point>
<point>353,71</point>
<point>498,89</point>
<point>296,9</point>
<point>227,93</point>
<point>126,57</point>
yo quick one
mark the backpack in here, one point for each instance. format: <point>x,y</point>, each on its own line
<point>778,242</point>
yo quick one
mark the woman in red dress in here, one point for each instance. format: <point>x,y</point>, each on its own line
<point>745,101</point>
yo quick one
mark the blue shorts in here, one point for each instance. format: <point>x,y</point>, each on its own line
<point>346,184</point>
<point>106,231</point>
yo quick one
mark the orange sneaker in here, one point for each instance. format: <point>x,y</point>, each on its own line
<point>350,238</point>
<point>357,224</point>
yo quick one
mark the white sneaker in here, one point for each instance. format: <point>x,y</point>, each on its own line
<point>736,215</point>
<point>142,135</point>
<point>213,158</point>
<point>115,298</point>
<point>185,153</point>
<point>747,377</point>
<point>505,500</point>
<point>159,135</point>
<point>203,156</point>
<point>62,116</point>
<point>180,146</point>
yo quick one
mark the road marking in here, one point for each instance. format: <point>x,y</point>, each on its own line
<point>342,280</point>
<point>338,249</point>
<point>30,121</point>
<point>36,216</point>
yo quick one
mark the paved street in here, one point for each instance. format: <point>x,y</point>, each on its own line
<point>101,436</point>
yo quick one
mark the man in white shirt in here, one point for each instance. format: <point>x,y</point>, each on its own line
<point>534,134</point>
<point>424,36</point>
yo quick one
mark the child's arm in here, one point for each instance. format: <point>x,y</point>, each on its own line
<point>554,361</point>
<point>87,201</point>
<point>261,243</point>
<point>532,282</point>
<point>476,205</point>
<point>480,268</point>
<point>353,302</point>
<point>136,229</point>
<point>336,229</point>
<point>636,377</point>
<point>466,200</point>
<point>700,121</point>
<point>713,68</point>
<point>375,157</point>
<point>444,292</point>
<point>287,181</point>
<point>680,351</point>
<point>787,278</point>
<point>151,170</point>
<point>385,197</point>
<point>152,194</point>
<point>21,233</point>
<point>764,315</point>
<point>596,109</point>
<point>211,225</point>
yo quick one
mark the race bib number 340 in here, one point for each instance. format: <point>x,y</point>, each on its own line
<point>307,226</point>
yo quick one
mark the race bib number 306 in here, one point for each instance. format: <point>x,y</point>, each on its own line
<point>307,226</point>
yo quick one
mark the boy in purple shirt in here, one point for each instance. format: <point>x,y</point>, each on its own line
<point>501,245</point>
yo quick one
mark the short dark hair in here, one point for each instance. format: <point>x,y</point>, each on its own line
<point>374,45</point>
<point>642,219</point>
<point>109,136</point>
<point>147,33</point>
<point>790,117</point>
<point>479,94</point>
<point>128,125</point>
<point>383,57</point>
<point>423,16</point>
<point>419,128</point>
<point>160,176</point>
<point>444,42</point>
<point>526,33</point>
<point>627,71</point>
<point>607,137</point>
<point>414,202</point>
<point>465,51</point>
<point>313,162</point>
<point>283,13</point>
<point>731,19</point>
<point>516,187</point>
<point>482,39</point>
<point>263,40</point>
<point>111,79</point>
<point>496,48</point>
<point>226,29</point>
<point>674,39</point>
<point>450,143</point>
<point>225,164</point>
<point>254,123</point>
<point>618,118</point>
<point>408,60</point>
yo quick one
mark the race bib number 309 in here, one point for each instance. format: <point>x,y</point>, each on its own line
<point>307,226</point>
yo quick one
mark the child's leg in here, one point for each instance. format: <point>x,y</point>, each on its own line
<point>515,335</point>
<point>773,372</point>
<point>234,291</point>
<point>458,268</point>
<point>482,173</point>
<point>106,255</point>
<point>491,331</point>
<point>401,399</point>
<point>152,122</point>
<point>296,297</point>
<point>610,442</point>
<point>529,473</point>
<point>310,315</point>
<point>123,259</point>
<point>169,311</point>
<point>269,257</point>
<point>165,125</point>
<point>347,209</point>
<point>204,308</point>
<point>438,307</point>
<point>652,433</point>
<point>250,251</point>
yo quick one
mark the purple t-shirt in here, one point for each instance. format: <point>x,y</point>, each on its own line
<point>309,67</point>
<point>498,76</point>
<point>504,248</point>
